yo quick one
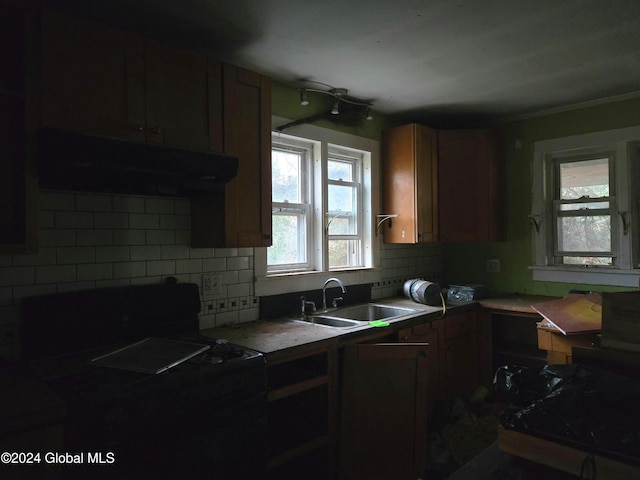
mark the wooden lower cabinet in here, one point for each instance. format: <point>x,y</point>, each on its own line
<point>302,416</point>
<point>383,419</point>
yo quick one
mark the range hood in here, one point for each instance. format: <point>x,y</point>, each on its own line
<point>72,161</point>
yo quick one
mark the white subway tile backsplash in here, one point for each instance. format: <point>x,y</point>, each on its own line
<point>73,220</point>
<point>111,220</point>
<point>131,204</point>
<point>45,256</point>
<point>144,220</point>
<point>31,290</point>
<point>182,206</point>
<point>183,237</point>
<point>49,200</point>
<point>240,289</point>
<point>189,266</point>
<point>112,254</point>
<point>175,252</point>
<point>56,238</point>
<point>95,271</point>
<point>94,237</point>
<point>159,205</point>
<point>238,263</point>
<point>74,255</point>
<point>93,202</point>
<point>76,286</point>
<point>101,240</point>
<point>161,237</point>
<point>55,273</point>
<point>17,276</point>
<point>174,221</point>
<point>129,269</point>
<point>146,252</point>
<point>161,267</point>
<point>129,237</point>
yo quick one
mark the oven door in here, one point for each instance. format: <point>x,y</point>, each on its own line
<point>226,440</point>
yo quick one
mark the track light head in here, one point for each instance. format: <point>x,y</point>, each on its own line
<point>303,97</point>
<point>336,107</point>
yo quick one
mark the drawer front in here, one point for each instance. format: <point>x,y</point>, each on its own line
<point>458,325</point>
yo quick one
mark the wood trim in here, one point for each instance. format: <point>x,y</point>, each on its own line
<point>562,457</point>
<point>296,388</point>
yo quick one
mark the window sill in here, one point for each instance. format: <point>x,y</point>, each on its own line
<point>589,276</point>
<point>296,282</point>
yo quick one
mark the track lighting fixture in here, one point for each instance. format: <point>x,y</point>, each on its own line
<point>340,95</point>
<point>336,108</point>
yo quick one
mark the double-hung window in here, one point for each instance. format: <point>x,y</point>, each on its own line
<point>324,200</point>
<point>344,229</point>
<point>585,208</point>
<point>292,215</point>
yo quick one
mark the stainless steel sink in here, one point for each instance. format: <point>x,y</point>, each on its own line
<point>368,312</point>
<point>326,321</point>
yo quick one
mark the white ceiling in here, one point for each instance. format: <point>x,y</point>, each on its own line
<point>468,60</point>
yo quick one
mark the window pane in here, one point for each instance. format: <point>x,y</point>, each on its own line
<point>286,181</point>
<point>584,234</point>
<point>342,198</point>
<point>344,253</point>
<point>289,240</point>
<point>584,206</point>
<point>595,261</point>
<point>589,178</point>
<point>342,225</point>
<point>340,170</point>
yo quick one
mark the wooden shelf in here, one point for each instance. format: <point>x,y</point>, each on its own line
<point>296,388</point>
<point>302,449</point>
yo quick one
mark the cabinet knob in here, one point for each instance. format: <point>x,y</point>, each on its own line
<point>137,127</point>
<point>424,353</point>
<point>404,338</point>
<point>156,130</point>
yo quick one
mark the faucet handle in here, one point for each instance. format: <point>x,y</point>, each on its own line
<point>335,301</point>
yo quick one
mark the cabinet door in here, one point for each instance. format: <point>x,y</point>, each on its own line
<point>183,98</point>
<point>429,337</point>
<point>92,78</point>
<point>469,177</point>
<point>18,181</point>
<point>460,354</point>
<point>384,422</point>
<point>409,184</point>
<point>247,135</point>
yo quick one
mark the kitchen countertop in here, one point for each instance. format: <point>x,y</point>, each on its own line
<point>514,302</point>
<point>285,337</point>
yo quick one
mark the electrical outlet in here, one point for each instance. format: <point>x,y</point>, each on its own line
<point>493,265</point>
<point>211,284</point>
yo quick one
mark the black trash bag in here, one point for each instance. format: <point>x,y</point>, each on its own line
<point>592,408</point>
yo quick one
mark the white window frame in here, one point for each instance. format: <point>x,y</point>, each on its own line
<point>620,146</point>
<point>272,283</point>
<point>307,151</point>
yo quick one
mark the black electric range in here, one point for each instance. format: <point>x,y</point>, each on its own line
<point>157,399</point>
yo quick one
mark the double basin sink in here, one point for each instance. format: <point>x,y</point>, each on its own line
<point>357,315</point>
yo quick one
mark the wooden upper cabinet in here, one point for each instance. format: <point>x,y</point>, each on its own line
<point>409,184</point>
<point>108,82</point>
<point>92,78</point>
<point>469,169</point>
<point>183,98</point>
<point>18,180</point>
<point>240,216</point>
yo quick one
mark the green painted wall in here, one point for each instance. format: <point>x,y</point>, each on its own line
<point>467,262</point>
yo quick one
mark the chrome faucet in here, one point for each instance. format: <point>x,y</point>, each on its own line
<point>324,291</point>
<point>303,304</point>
